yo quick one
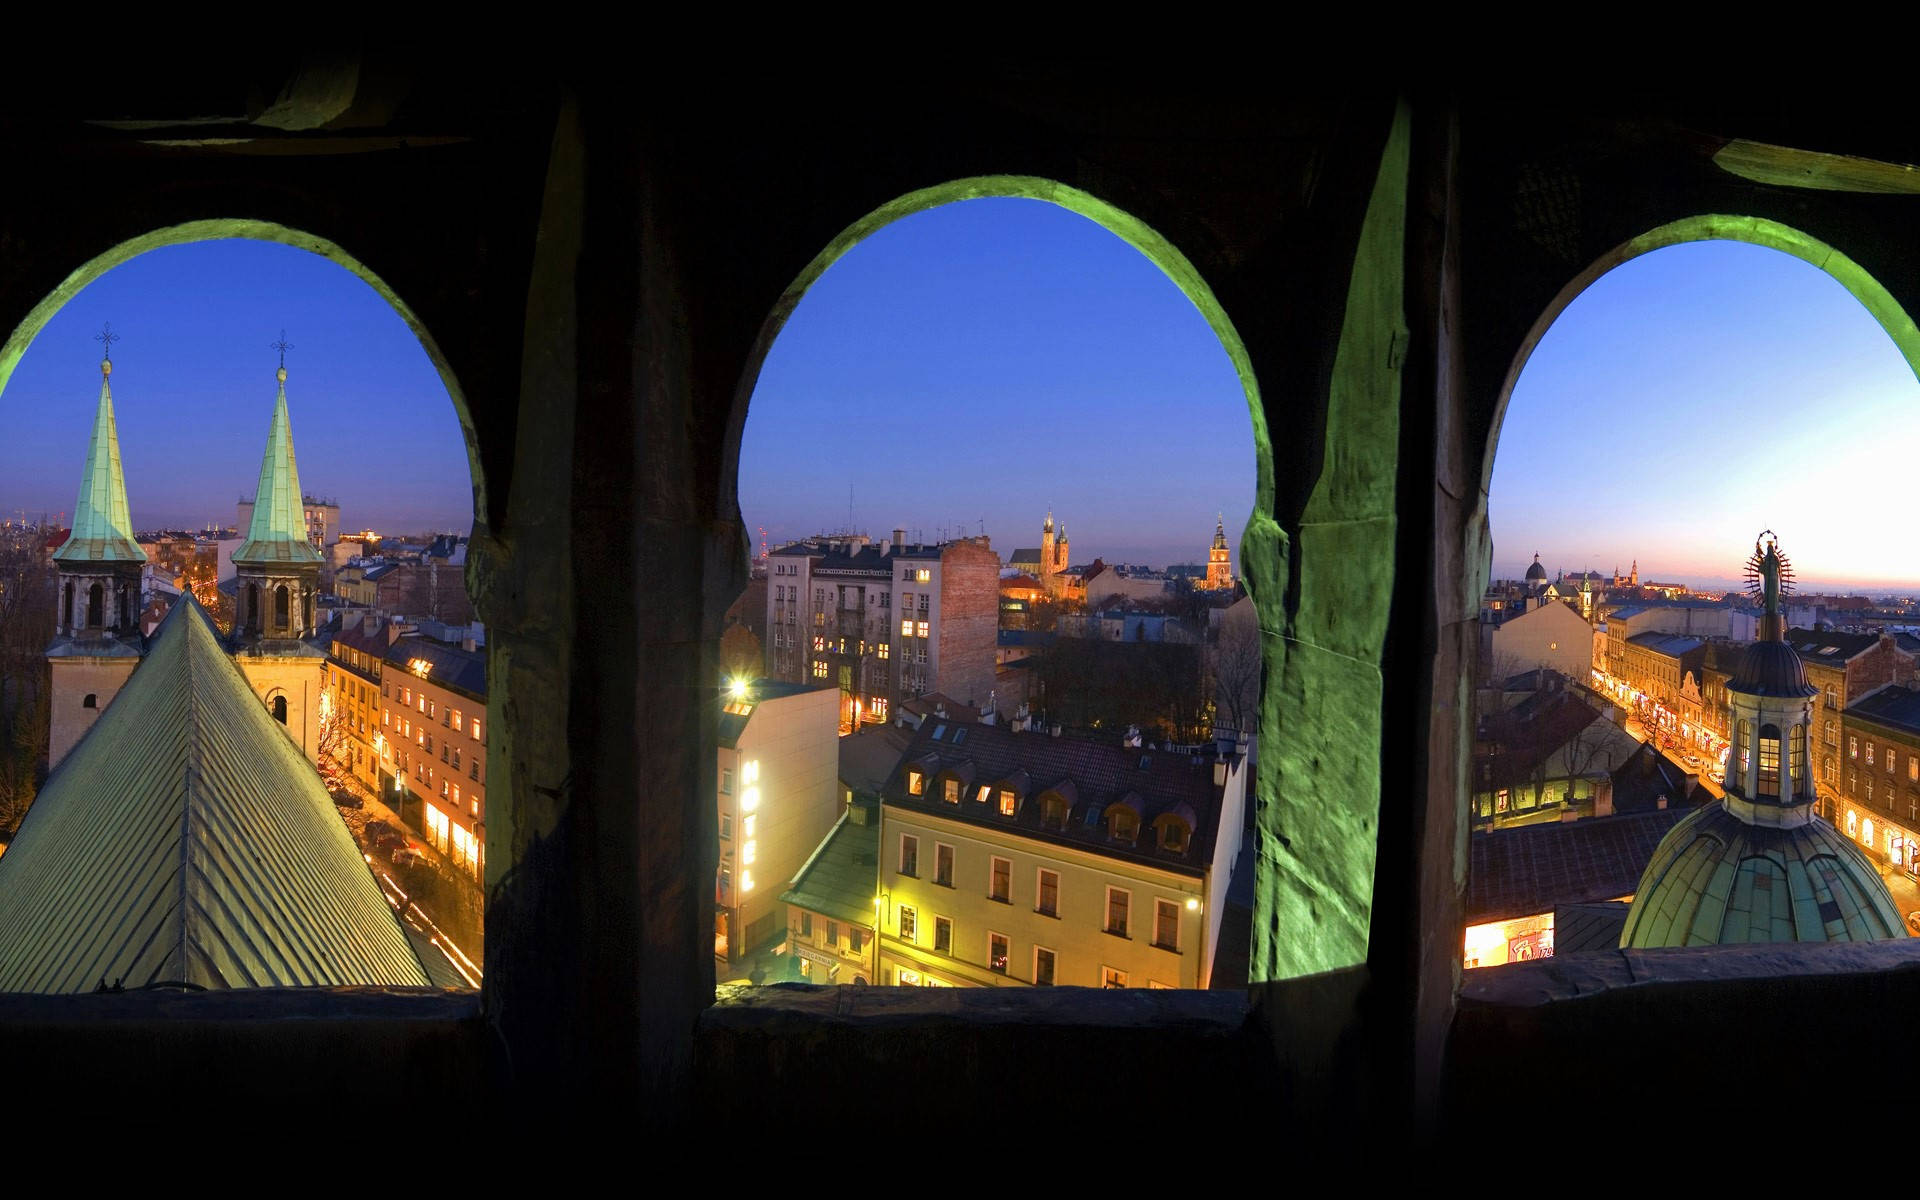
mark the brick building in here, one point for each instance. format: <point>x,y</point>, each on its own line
<point>885,621</point>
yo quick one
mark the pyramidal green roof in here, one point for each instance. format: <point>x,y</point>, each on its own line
<point>278,531</point>
<point>102,526</point>
<point>186,840</point>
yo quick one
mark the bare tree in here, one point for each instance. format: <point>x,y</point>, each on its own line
<point>1238,661</point>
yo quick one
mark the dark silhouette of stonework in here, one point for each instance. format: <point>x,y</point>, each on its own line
<point>598,258</point>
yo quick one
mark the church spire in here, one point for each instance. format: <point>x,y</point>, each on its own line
<point>1220,531</point>
<point>278,530</point>
<point>102,524</point>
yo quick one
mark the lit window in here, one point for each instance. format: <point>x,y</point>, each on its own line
<point>750,772</point>
<point>997,953</point>
<point>950,790</point>
<point>943,935</point>
<point>909,923</point>
<point>906,628</point>
<point>1866,832</point>
<point>747,851</point>
<point>1869,753</point>
<point>746,881</point>
<point>1007,803</point>
<point>1853,747</point>
<point>880,702</point>
<point>750,799</point>
<point>1853,823</point>
<point>886,650</point>
<point>476,730</point>
<point>747,824</point>
<point>921,629</point>
<point>916,783</point>
<point>1111,978</point>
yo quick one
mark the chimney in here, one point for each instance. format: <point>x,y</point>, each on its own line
<point>900,537</point>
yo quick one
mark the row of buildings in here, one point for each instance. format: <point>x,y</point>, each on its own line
<point>890,620</point>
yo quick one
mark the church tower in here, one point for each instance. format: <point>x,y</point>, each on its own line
<point>278,580</point>
<point>1219,558</point>
<point>1760,865</point>
<point>1047,568</point>
<point>97,641</point>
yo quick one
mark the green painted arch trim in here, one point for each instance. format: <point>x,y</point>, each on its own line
<point>1712,227</point>
<point>260,231</point>
<point>1122,224</point>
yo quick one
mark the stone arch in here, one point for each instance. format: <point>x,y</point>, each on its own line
<point>1706,227</point>
<point>214,229</point>
<point>96,607</point>
<point>1124,225</point>
<point>277,705</point>
<point>282,610</point>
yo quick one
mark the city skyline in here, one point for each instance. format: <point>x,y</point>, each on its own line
<point>1640,427</point>
<point>193,389</point>
<point>980,363</point>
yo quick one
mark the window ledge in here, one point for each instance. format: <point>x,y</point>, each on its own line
<point>739,1008</point>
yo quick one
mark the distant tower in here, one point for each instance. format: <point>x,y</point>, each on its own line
<point>277,574</point>
<point>1219,558</point>
<point>1633,580</point>
<point>1050,551</point>
<point>1061,551</point>
<point>97,641</point>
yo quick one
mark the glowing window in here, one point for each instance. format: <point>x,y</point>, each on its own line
<point>906,628</point>
<point>950,790</point>
<point>1007,803</point>
<point>750,799</point>
<point>916,783</point>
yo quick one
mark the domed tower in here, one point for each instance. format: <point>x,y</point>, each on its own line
<point>1536,574</point>
<point>97,641</point>
<point>1760,866</point>
<point>1219,558</point>
<point>277,576</point>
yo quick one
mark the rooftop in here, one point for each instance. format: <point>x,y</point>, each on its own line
<point>1089,776</point>
<point>1538,868</point>
<point>186,841</point>
<point>839,880</point>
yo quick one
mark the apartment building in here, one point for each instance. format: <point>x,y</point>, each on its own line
<point>883,622</point>
<point>778,795</point>
<point>1011,857</point>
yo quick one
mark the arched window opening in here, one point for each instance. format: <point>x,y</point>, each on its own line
<point>1113,626</point>
<point>1696,325</point>
<point>359,359</point>
<point>1767,783</point>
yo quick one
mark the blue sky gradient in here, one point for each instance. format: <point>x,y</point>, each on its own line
<point>1696,395</point>
<point>982,361</point>
<point>193,391</point>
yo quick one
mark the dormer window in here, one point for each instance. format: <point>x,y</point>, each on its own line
<point>1173,837</point>
<point>1124,826</point>
<point>916,783</point>
<point>951,790</point>
<point>1053,812</point>
<point>1009,803</point>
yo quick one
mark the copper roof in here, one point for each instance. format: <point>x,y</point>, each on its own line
<point>186,840</point>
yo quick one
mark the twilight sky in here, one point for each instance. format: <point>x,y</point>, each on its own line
<point>987,359</point>
<point>1696,395</point>
<point>193,392</point>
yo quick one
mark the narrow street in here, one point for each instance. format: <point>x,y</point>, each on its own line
<point>448,963</point>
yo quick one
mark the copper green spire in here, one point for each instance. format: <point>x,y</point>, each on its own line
<point>102,526</point>
<point>278,531</point>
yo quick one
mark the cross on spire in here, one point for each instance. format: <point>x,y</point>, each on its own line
<point>283,345</point>
<point>106,337</point>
